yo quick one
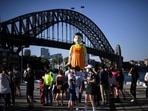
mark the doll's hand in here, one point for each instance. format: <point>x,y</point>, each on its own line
<point>67,64</point>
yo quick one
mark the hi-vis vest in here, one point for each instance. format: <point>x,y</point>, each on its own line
<point>48,78</point>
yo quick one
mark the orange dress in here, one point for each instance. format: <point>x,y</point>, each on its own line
<point>77,55</point>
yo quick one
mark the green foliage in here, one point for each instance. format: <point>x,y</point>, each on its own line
<point>65,60</point>
<point>37,63</point>
<point>57,60</point>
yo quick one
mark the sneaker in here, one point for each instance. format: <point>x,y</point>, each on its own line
<point>77,108</point>
<point>132,100</point>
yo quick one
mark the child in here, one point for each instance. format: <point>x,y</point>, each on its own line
<point>41,87</point>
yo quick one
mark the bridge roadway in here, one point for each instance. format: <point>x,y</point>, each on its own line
<point>124,105</point>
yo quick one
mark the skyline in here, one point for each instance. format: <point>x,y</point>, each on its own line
<point>123,22</point>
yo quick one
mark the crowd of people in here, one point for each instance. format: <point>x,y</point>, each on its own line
<point>10,80</point>
<point>101,83</point>
<point>98,84</point>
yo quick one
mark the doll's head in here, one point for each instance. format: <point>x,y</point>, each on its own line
<point>78,38</point>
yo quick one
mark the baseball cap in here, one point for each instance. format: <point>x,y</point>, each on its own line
<point>89,66</point>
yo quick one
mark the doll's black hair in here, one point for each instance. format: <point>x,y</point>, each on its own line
<point>79,34</point>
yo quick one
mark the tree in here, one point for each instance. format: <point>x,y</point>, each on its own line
<point>57,60</point>
<point>65,60</point>
<point>37,63</point>
<point>45,60</point>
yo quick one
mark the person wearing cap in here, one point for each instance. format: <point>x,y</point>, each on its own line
<point>90,89</point>
<point>77,53</point>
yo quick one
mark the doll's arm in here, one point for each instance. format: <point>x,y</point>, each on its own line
<point>85,55</point>
<point>69,57</point>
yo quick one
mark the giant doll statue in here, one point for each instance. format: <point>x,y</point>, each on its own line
<point>78,52</point>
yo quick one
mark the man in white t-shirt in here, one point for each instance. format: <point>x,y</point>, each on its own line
<point>79,84</point>
<point>146,82</point>
<point>68,72</point>
<point>5,87</point>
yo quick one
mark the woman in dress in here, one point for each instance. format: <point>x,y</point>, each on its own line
<point>59,87</point>
<point>120,82</point>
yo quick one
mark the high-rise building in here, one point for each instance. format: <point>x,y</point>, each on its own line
<point>45,53</point>
<point>8,58</point>
<point>118,52</point>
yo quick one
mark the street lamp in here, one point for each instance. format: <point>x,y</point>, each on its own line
<point>72,8</point>
<point>22,62</point>
<point>82,6</point>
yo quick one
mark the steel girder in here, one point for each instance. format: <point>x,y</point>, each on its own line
<point>34,23</point>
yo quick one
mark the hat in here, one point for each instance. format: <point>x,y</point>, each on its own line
<point>89,67</point>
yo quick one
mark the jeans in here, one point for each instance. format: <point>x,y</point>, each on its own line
<point>104,90</point>
<point>6,98</point>
<point>48,93</point>
<point>133,89</point>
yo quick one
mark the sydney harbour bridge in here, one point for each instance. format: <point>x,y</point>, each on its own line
<point>55,28</point>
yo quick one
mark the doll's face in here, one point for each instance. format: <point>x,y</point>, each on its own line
<point>77,39</point>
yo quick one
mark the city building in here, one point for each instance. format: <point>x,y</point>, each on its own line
<point>45,53</point>
<point>56,60</point>
<point>8,58</point>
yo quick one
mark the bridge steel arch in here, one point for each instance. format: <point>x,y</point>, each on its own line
<point>25,28</point>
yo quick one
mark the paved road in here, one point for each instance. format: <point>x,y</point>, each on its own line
<point>124,105</point>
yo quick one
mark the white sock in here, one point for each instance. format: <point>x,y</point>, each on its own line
<point>94,108</point>
<point>85,107</point>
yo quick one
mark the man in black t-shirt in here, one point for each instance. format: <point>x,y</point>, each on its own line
<point>104,85</point>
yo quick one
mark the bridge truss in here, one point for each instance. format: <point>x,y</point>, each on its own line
<point>58,26</point>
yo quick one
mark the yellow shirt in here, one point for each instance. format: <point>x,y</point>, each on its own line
<point>48,78</point>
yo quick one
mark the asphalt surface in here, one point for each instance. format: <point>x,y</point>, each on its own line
<point>141,104</point>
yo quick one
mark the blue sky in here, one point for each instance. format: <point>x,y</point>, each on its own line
<point>123,22</point>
